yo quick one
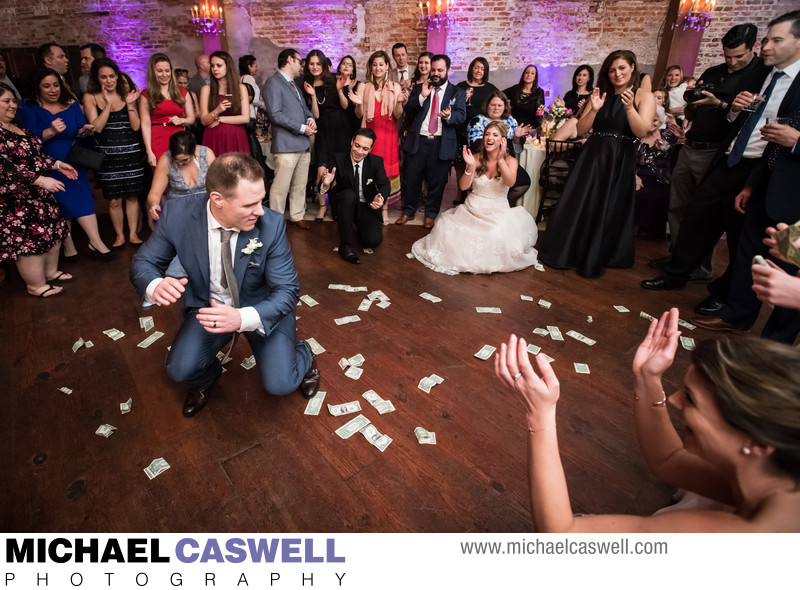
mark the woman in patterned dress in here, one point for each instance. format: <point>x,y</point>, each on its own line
<point>112,108</point>
<point>31,225</point>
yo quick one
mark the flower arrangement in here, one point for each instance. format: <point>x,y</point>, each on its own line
<point>553,115</point>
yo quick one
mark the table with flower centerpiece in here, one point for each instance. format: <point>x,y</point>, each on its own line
<point>531,160</point>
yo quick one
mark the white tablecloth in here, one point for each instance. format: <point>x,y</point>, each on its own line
<point>531,160</point>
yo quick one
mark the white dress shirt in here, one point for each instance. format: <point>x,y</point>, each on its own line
<point>424,129</point>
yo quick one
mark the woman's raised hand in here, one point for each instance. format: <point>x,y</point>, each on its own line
<point>132,97</point>
<point>341,81</point>
<point>58,125</point>
<point>513,367</point>
<point>596,101</point>
<point>469,159</point>
<point>627,99</point>
<point>354,97</point>
<point>308,88</point>
<point>657,350</point>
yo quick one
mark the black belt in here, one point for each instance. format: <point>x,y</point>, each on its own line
<point>432,137</point>
<point>703,145</point>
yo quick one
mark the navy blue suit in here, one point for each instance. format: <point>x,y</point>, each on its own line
<point>431,159</point>
<point>267,281</point>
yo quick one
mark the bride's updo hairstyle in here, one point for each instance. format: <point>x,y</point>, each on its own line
<point>757,386</point>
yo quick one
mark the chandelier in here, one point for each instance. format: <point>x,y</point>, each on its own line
<point>435,17</point>
<point>207,19</point>
<point>695,14</point>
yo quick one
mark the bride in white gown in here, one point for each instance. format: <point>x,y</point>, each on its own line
<point>484,235</point>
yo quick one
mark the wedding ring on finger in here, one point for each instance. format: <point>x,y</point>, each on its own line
<point>517,376</point>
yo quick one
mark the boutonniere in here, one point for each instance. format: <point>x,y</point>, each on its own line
<point>369,181</point>
<point>253,247</point>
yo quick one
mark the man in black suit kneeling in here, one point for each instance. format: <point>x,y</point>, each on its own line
<point>357,187</point>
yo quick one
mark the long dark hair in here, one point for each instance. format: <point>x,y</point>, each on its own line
<point>534,88</point>
<point>353,61</point>
<point>604,84</point>
<point>369,77</point>
<point>40,74</point>
<point>94,77</point>
<point>589,84</point>
<point>231,84</point>
<point>244,64</point>
<point>415,78</point>
<point>328,79</point>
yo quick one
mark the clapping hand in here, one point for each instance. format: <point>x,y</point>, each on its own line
<point>501,153</point>
<point>627,99</point>
<point>132,97</point>
<point>445,113</point>
<point>68,171</point>
<point>85,131</point>
<point>657,351</point>
<point>354,97</point>
<point>596,101</point>
<point>308,88</point>
<point>425,89</point>
<point>513,367</point>
<point>58,125</point>
<point>341,81</point>
<point>469,159</point>
<point>522,130</point>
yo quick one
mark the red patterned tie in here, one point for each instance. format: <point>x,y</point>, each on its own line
<point>433,121</point>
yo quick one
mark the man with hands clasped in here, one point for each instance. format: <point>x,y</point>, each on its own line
<point>357,187</point>
<point>240,278</point>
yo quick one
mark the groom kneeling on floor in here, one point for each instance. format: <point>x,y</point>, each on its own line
<point>250,288</point>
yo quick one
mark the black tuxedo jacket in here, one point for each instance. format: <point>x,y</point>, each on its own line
<point>458,114</point>
<point>373,178</point>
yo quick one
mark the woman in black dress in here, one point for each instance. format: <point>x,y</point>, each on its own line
<point>347,80</point>
<point>526,97</point>
<point>328,103</point>
<point>113,110</point>
<point>582,85</point>
<point>592,225</point>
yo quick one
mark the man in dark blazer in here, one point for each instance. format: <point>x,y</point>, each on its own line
<point>436,109</point>
<point>292,126</point>
<point>240,278</point>
<point>771,191</point>
<point>357,187</point>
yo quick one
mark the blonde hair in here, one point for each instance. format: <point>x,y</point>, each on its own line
<point>154,96</point>
<point>483,161</point>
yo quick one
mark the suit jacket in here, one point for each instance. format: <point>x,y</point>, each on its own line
<point>394,76</point>
<point>457,99</point>
<point>288,113</point>
<point>267,279</point>
<point>196,84</point>
<point>782,193</point>
<point>373,178</point>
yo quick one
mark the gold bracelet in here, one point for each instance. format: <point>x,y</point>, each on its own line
<point>658,404</point>
<point>532,431</point>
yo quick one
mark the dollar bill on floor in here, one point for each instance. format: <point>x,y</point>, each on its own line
<point>350,289</point>
<point>314,405</point>
<point>538,267</point>
<point>315,346</point>
<point>249,362</point>
<point>343,363</point>
<point>375,438</point>
<point>372,397</point>
<point>88,344</point>
<point>589,319</point>
<point>526,297</point>
<point>485,352</point>
<point>541,332</point>
<point>436,379</point>
<point>431,298</point>
<point>156,468</point>
<point>356,360</point>
<point>368,251</point>
<point>336,248</point>
<point>687,325</point>
<point>425,384</point>
<point>353,426</point>
<point>384,304</point>
<point>221,358</point>
<point>581,338</point>
<point>114,334</point>
<point>354,373</point>
<point>488,310</point>
<point>533,349</point>
<point>385,407</point>
<point>581,368</point>
<point>365,305</point>
<point>146,323</point>
<point>78,343</point>
<point>554,332</point>
<point>105,430</point>
<point>622,309</point>
<point>337,287</point>
<point>410,256</point>
<point>424,437</point>
<point>125,407</point>
<point>544,304</point>
<point>687,342</point>
<point>347,320</point>
<point>65,390</point>
<point>308,300</point>
<point>150,339</point>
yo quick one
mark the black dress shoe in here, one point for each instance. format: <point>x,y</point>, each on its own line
<point>196,400</point>
<point>346,252</point>
<point>309,386</point>
<point>662,284</point>
<point>709,306</point>
<point>660,262</point>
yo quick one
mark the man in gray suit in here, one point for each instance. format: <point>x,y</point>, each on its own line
<point>292,126</point>
<point>203,75</point>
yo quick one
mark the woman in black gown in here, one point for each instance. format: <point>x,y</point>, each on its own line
<point>526,97</point>
<point>592,225</point>
<point>582,86</point>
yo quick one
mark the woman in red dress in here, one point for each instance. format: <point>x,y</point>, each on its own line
<point>163,108</point>
<point>224,94</point>
<point>379,104</point>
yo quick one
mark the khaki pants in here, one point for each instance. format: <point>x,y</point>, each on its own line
<point>291,177</point>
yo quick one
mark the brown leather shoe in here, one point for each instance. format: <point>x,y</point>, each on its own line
<point>309,386</point>
<point>429,223</point>
<point>302,224</point>
<point>403,219</point>
<point>717,325</point>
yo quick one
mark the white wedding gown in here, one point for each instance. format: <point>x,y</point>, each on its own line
<point>484,235</point>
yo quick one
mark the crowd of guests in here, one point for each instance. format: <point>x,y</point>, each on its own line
<point>694,157</point>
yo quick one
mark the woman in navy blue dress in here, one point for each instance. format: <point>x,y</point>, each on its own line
<point>54,117</point>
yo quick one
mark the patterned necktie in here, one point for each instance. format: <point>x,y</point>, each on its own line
<point>750,125</point>
<point>296,91</point>
<point>433,120</point>
<point>228,280</point>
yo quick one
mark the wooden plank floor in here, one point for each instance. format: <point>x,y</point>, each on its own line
<point>251,462</point>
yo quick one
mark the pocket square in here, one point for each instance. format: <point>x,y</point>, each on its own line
<point>254,264</point>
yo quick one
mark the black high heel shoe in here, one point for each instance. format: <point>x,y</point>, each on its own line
<point>104,256</point>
